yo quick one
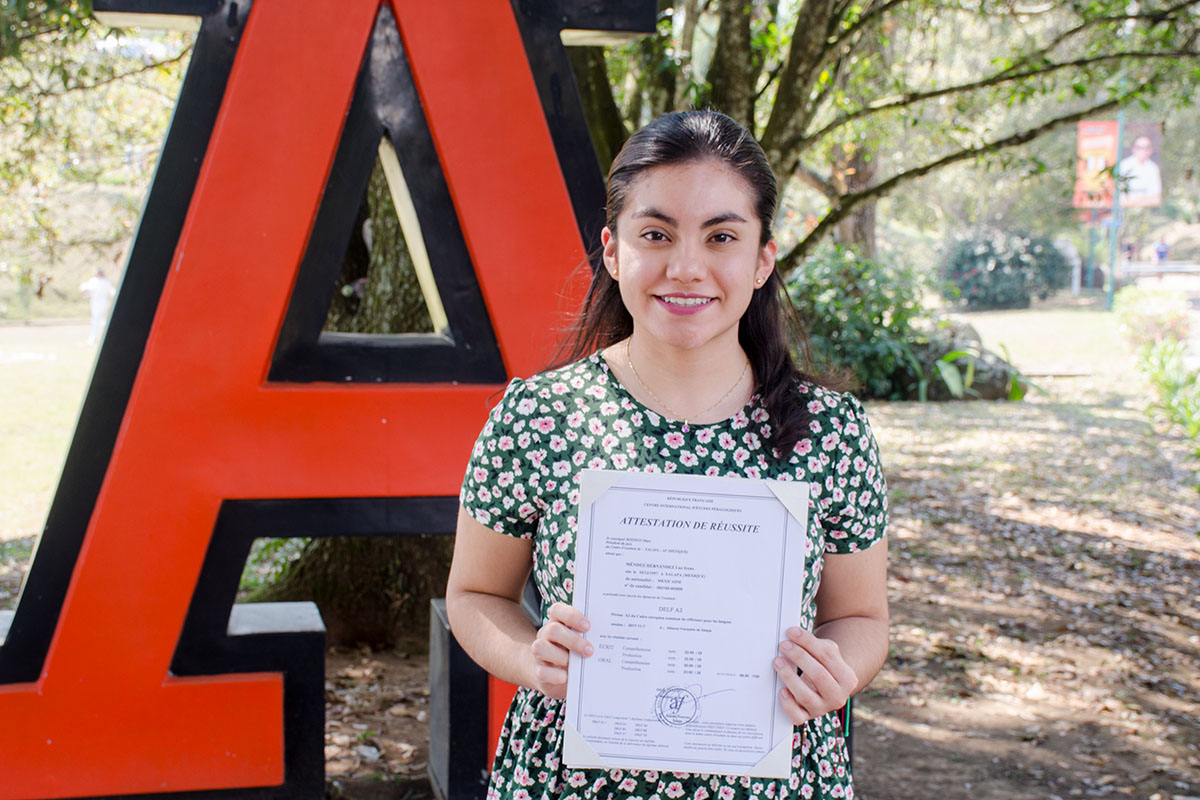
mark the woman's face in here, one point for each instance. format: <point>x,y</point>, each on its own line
<point>686,254</point>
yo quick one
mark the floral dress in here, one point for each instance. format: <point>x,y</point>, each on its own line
<point>523,481</point>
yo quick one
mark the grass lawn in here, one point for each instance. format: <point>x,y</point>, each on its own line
<point>44,370</point>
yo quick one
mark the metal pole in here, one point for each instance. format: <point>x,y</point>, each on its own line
<point>1114,239</point>
<point>1091,270</point>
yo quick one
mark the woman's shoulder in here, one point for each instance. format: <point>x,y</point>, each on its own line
<point>821,401</point>
<point>568,379</point>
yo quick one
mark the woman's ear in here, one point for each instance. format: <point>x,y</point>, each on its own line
<point>609,242</point>
<point>766,262</point>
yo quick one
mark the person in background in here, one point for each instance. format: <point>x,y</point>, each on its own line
<point>100,292</point>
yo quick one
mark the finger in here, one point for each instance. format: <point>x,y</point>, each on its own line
<point>547,652</point>
<point>828,653</point>
<point>568,615</point>
<point>818,675</point>
<point>803,692</point>
<point>561,635</point>
<point>797,713</point>
<point>552,681</point>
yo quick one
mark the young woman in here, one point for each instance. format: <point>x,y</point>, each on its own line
<point>680,362</point>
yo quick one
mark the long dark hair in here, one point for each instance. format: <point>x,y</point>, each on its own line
<point>769,331</point>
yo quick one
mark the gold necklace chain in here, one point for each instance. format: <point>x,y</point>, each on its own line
<point>671,411</point>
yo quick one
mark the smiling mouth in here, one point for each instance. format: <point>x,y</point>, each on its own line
<point>684,301</point>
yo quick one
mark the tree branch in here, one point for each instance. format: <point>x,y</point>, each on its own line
<point>996,79</point>
<point>845,204</point>
<point>85,87</point>
<point>1152,16</point>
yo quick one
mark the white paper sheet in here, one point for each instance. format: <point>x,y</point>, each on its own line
<point>689,583</point>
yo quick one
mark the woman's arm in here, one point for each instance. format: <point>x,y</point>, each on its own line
<point>850,640</point>
<point>483,602</point>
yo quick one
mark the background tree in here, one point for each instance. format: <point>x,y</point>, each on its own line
<point>853,100</point>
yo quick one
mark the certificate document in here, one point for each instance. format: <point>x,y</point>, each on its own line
<point>690,583</point>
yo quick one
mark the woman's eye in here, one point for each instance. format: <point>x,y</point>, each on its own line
<point>722,238</point>
<point>655,236</point>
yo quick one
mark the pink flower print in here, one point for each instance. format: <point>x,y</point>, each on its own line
<point>713,472</point>
<point>740,455</point>
<point>688,459</point>
<point>621,428</point>
<point>609,408</point>
<point>595,426</point>
<point>829,441</point>
<point>815,406</point>
<point>814,426</point>
<point>725,793</point>
<point>577,382</point>
<point>674,439</point>
<point>619,461</point>
<point>609,441</point>
<point>525,511</point>
<point>704,435</point>
<point>860,463</point>
<point>726,441</point>
<point>803,447</point>
<point>526,405</point>
<point>596,462</point>
<point>759,415</point>
<point>479,474</point>
<point>558,444</point>
<point>575,419</point>
<point>814,465</point>
<point>543,424</point>
<point>851,429</point>
<point>523,439</point>
<point>558,387</point>
<point>826,769</point>
<point>484,494</point>
<point>674,790</point>
<point>594,391</point>
<point>627,785</point>
<point>753,472</point>
<point>505,479</point>
<point>576,779</point>
<point>578,457</point>
<point>558,506</point>
<point>505,443</point>
<point>568,586</point>
<point>560,468</point>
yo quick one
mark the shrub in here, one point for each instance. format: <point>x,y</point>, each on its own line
<point>998,269</point>
<point>1176,385</point>
<point>861,315</point>
<point>1151,315</point>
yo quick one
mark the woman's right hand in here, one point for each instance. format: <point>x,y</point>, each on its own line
<point>556,640</point>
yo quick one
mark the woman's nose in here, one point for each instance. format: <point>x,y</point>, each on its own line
<point>685,264</point>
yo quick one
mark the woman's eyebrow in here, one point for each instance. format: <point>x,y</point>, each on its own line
<point>719,219</point>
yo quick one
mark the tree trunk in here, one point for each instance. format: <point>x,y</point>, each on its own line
<point>372,590</point>
<point>853,170</point>
<point>599,106</point>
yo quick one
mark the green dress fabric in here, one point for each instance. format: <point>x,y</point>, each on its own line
<point>522,481</point>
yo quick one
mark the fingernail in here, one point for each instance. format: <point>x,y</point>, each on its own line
<point>587,649</point>
<point>780,664</point>
<point>794,631</point>
<point>786,645</point>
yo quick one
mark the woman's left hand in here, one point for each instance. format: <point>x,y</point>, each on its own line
<point>825,681</point>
